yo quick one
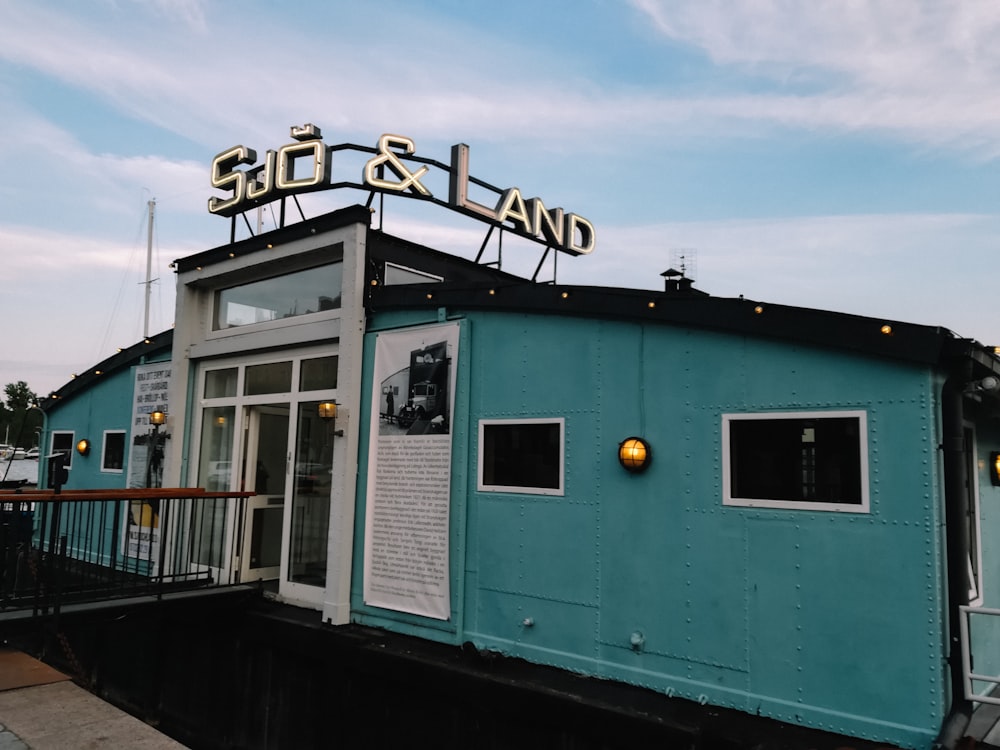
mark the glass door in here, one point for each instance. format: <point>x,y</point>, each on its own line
<point>310,516</point>
<point>264,471</point>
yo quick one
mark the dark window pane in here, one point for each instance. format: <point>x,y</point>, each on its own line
<point>220,383</point>
<point>796,460</point>
<point>114,451</point>
<point>62,442</point>
<point>522,455</point>
<point>274,377</point>
<point>318,374</point>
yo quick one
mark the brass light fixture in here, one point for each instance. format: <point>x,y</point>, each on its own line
<point>328,413</point>
<point>83,446</point>
<point>995,469</point>
<point>634,454</point>
<point>154,455</point>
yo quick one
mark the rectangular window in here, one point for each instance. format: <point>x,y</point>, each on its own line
<point>311,290</point>
<point>113,451</point>
<point>318,374</point>
<point>274,377</point>
<point>62,442</point>
<point>796,460</point>
<point>396,275</point>
<point>524,456</point>
<point>221,383</point>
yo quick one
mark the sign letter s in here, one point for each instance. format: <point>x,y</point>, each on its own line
<point>226,177</point>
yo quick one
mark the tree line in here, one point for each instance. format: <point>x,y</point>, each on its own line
<point>19,422</point>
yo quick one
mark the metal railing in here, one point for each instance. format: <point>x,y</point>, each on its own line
<point>94,545</point>
<point>967,674</point>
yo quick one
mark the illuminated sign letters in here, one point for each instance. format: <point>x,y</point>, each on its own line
<point>306,165</point>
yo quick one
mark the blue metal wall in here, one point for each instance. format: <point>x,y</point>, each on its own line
<point>832,620</point>
<point>106,404</point>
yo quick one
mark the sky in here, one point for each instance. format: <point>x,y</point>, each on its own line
<point>836,155</point>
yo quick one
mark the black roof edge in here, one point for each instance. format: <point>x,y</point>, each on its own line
<point>383,247</point>
<point>923,344</point>
<point>355,214</point>
<point>121,359</point>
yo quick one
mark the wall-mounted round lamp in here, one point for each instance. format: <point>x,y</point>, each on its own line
<point>634,454</point>
<point>157,417</point>
<point>328,410</point>
<point>994,468</point>
<point>83,446</point>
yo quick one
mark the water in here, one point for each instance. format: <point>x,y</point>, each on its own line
<point>25,468</point>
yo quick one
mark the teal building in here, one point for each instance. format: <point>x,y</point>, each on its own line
<point>782,511</point>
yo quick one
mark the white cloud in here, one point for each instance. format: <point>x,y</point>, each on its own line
<point>928,71</point>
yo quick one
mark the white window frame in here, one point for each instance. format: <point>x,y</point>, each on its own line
<point>212,333</point>
<point>559,491</point>
<point>727,497</point>
<point>975,576</point>
<point>72,446</point>
<point>104,448</point>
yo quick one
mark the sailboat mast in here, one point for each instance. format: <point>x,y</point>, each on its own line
<point>149,267</point>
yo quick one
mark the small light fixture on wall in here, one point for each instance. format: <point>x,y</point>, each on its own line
<point>328,413</point>
<point>83,446</point>
<point>995,469</point>
<point>634,454</point>
<point>157,418</point>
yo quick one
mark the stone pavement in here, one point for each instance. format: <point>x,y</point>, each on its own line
<point>41,709</point>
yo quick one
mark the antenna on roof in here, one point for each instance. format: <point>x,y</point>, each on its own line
<point>680,276</point>
<point>685,259</point>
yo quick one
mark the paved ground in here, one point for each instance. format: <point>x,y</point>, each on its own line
<point>41,709</point>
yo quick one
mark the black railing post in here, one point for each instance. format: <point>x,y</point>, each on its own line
<point>38,567</point>
<point>7,560</point>
<point>58,584</point>
<point>161,525</point>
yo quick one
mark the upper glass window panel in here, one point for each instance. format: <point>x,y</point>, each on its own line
<point>319,373</point>
<point>221,383</point>
<point>274,377</point>
<point>299,293</point>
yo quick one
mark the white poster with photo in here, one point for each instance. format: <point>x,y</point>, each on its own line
<point>145,457</point>
<point>406,559</point>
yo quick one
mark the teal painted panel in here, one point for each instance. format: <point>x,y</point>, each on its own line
<point>812,643</point>
<point>529,364</point>
<point>681,583</point>
<point>775,637</point>
<point>541,548</point>
<point>549,632</point>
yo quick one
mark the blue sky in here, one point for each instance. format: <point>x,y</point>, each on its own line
<point>839,155</point>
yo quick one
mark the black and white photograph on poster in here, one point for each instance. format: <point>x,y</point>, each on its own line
<point>415,399</point>
<point>407,551</point>
<point>149,435</point>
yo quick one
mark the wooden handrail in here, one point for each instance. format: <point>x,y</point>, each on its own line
<point>138,493</point>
